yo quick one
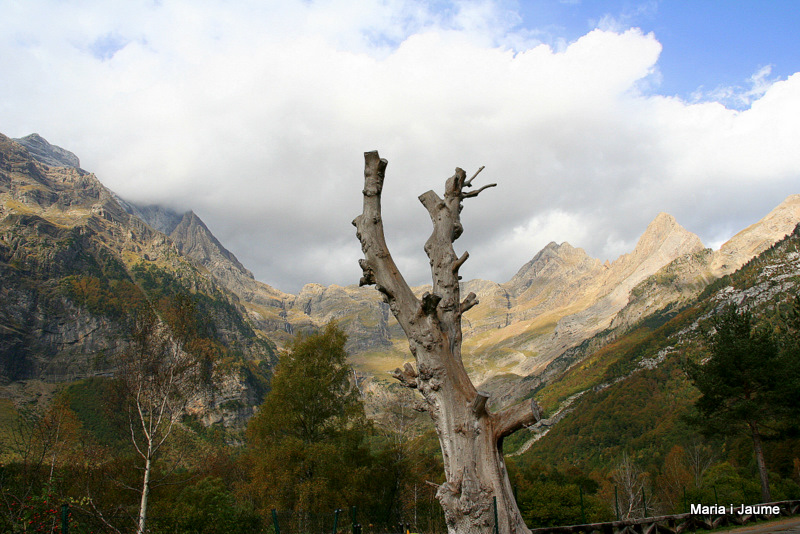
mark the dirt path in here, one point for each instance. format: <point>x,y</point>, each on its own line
<point>788,525</point>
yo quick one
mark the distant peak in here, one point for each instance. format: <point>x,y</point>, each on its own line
<point>44,152</point>
<point>662,220</point>
<point>660,227</point>
<point>666,237</point>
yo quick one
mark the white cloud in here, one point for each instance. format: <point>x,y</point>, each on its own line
<point>256,115</point>
<point>738,96</point>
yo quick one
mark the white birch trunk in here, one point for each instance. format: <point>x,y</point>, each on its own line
<point>145,493</point>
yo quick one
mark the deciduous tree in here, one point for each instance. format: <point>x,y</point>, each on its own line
<point>306,450</point>
<point>158,376</point>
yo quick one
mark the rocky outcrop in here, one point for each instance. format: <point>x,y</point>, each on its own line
<point>757,237</point>
<point>72,259</point>
<point>44,152</point>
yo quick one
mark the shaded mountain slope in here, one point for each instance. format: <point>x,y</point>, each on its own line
<point>73,263</point>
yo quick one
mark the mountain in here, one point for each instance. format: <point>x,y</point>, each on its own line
<point>631,394</point>
<point>48,154</point>
<point>756,238</point>
<point>563,296</point>
<point>557,310</point>
<point>73,261</point>
<point>547,317</point>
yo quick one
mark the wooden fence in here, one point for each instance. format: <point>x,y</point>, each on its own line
<point>674,524</point>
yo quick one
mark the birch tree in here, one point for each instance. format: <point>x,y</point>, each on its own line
<point>158,377</point>
<point>470,436</point>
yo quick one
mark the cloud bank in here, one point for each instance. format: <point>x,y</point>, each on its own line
<point>256,115</point>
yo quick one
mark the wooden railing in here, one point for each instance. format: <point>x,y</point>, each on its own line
<point>673,524</point>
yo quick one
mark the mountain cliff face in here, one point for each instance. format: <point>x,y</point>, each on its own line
<point>73,261</point>
<point>756,238</point>
<point>556,310</point>
<point>563,297</point>
<point>51,155</point>
<point>632,394</point>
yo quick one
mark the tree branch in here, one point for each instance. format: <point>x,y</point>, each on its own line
<point>460,261</point>
<point>515,417</point>
<point>378,266</point>
<point>407,376</point>
<point>470,302</point>
<point>476,193</point>
<point>468,183</point>
<point>433,203</point>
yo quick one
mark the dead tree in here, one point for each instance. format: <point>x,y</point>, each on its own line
<point>470,436</point>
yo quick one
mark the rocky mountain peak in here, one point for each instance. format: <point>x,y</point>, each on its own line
<point>553,261</point>
<point>196,241</point>
<point>664,236</point>
<point>157,217</point>
<point>44,152</point>
<point>662,241</point>
<point>757,237</point>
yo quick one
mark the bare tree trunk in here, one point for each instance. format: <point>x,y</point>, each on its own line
<point>762,466</point>
<point>145,495</point>
<point>469,435</point>
<point>700,458</point>
<point>630,479</point>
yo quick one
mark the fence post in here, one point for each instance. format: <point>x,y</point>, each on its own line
<point>685,503</point>
<point>496,526</point>
<point>716,498</point>
<point>275,521</point>
<point>616,502</point>
<point>353,519</point>
<point>65,519</point>
<point>583,511</point>
<point>644,501</point>
<point>336,520</point>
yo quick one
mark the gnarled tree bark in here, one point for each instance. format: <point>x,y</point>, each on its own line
<point>470,436</point>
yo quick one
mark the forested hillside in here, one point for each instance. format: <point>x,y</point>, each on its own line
<point>635,405</point>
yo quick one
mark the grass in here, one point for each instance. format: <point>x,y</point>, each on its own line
<point>8,417</point>
<point>588,373</point>
<point>379,363</point>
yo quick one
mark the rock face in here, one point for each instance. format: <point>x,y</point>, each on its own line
<point>756,238</point>
<point>48,154</point>
<point>267,306</point>
<point>562,297</point>
<point>72,260</point>
<point>686,276</point>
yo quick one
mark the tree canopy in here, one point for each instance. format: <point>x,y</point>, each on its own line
<point>747,383</point>
<point>306,443</point>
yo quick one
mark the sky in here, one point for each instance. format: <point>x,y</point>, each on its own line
<point>592,117</point>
